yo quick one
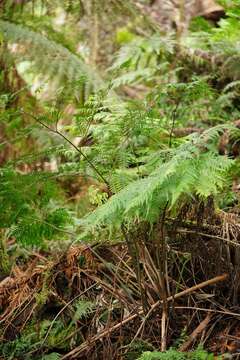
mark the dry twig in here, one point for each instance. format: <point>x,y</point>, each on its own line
<point>73,354</point>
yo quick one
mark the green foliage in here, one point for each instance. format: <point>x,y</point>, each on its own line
<point>31,340</point>
<point>171,354</point>
<point>52,356</point>
<point>124,36</point>
<point>46,336</point>
<point>145,59</point>
<point>220,44</point>
<point>136,348</point>
<point>82,309</point>
<point>128,141</point>
<point>49,59</point>
<point>30,207</point>
<point>187,171</point>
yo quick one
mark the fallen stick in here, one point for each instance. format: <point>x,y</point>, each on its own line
<point>83,347</point>
<point>203,324</point>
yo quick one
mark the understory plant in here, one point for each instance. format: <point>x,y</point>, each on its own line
<point>198,354</point>
<point>132,157</point>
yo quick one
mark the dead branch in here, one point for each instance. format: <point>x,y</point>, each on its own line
<point>203,324</point>
<point>73,354</point>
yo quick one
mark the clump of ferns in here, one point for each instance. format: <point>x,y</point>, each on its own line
<point>191,168</point>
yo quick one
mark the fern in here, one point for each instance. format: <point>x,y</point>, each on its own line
<point>82,309</point>
<point>147,60</point>
<point>48,58</point>
<point>171,354</point>
<point>189,171</point>
<point>219,46</point>
<point>52,356</point>
<point>34,335</point>
<point>121,178</point>
<point>155,355</point>
<point>30,211</point>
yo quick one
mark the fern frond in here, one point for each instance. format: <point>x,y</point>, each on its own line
<point>52,356</point>
<point>172,354</point>
<point>189,171</point>
<point>29,207</point>
<point>82,309</point>
<point>121,178</point>
<point>145,59</point>
<point>50,59</point>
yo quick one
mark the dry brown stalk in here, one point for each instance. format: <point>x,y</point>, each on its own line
<point>73,354</point>
<point>231,242</point>
<point>226,312</point>
<point>199,329</point>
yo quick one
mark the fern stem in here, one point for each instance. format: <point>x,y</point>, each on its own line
<point>174,118</point>
<point>57,132</point>
<point>133,250</point>
<point>164,277</point>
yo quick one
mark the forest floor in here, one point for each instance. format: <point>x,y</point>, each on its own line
<point>84,302</point>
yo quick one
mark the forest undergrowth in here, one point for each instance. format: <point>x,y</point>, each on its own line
<point>119,180</point>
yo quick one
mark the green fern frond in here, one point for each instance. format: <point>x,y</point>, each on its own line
<point>219,46</point>
<point>30,209</point>
<point>52,356</point>
<point>155,355</point>
<point>120,179</point>
<point>48,58</point>
<point>82,309</point>
<point>189,171</point>
<point>145,59</point>
<point>172,354</point>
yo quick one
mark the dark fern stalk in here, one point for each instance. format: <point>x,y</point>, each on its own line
<point>133,249</point>
<point>163,276</point>
<point>57,132</point>
<point>174,118</point>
